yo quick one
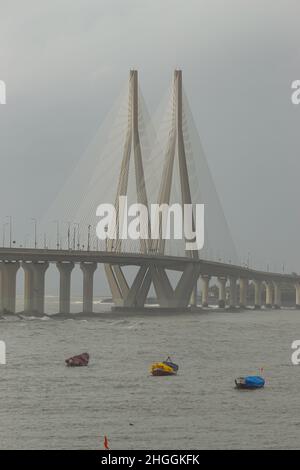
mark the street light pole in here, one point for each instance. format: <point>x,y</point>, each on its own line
<point>3,233</point>
<point>89,237</point>
<point>10,229</point>
<point>69,230</point>
<point>74,237</point>
<point>76,224</point>
<point>35,231</point>
<point>57,233</point>
<point>26,240</point>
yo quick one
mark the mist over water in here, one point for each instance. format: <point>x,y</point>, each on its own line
<point>48,406</point>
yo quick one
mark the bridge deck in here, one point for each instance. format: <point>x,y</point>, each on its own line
<point>211,268</point>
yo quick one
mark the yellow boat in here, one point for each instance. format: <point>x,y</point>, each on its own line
<point>164,368</point>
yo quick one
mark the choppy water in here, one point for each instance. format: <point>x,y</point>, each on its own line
<point>46,405</point>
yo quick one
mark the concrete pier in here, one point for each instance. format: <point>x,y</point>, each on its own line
<point>193,301</point>
<point>205,289</point>
<point>8,285</point>
<point>1,289</point>
<point>297,287</point>
<point>232,292</point>
<point>243,292</point>
<point>88,270</point>
<point>269,294</point>
<point>257,294</point>
<point>28,286</point>
<point>65,270</point>
<point>39,270</point>
<point>222,291</point>
<point>277,295</point>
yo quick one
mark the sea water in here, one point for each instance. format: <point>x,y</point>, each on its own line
<point>45,405</point>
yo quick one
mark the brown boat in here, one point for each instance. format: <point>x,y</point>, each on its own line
<point>78,361</point>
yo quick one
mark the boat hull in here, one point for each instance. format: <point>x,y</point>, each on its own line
<point>159,372</point>
<point>249,383</point>
<point>78,361</point>
<point>247,387</point>
<point>163,368</point>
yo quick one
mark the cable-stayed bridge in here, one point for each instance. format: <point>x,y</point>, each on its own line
<point>173,170</point>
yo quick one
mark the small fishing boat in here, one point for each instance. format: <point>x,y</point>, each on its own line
<point>250,382</point>
<point>164,368</point>
<point>78,361</point>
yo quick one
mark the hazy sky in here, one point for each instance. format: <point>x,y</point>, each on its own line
<point>65,61</point>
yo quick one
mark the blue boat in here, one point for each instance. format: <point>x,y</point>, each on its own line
<point>250,382</point>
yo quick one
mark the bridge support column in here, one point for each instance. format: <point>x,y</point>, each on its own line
<point>88,270</point>
<point>222,291</point>
<point>39,270</point>
<point>194,295</point>
<point>257,294</point>
<point>243,292</point>
<point>28,287</point>
<point>232,294</point>
<point>297,287</point>
<point>163,287</point>
<point>205,289</point>
<point>65,270</point>
<point>117,283</point>
<point>8,285</point>
<point>180,296</point>
<point>269,294</point>
<point>1,288</point>
<point>277,295</point>
<point>123,295</point>
<point>139,289</point>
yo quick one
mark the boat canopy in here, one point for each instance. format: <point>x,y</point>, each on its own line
<point>254,381</point>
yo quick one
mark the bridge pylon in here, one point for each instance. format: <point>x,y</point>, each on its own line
<point>122,294</point>
<point>135,296</point>
<point>175,155</point>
